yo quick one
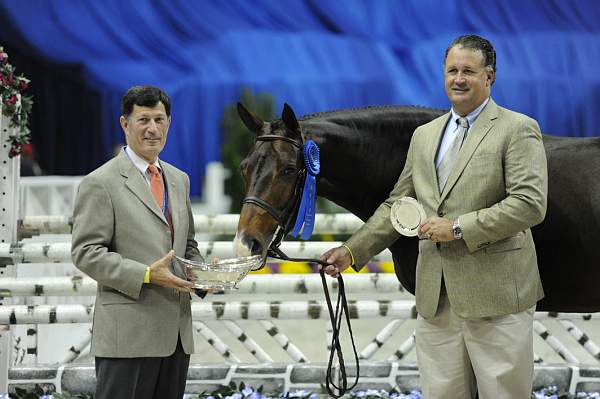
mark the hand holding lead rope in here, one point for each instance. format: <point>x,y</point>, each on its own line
<point>337,260</point>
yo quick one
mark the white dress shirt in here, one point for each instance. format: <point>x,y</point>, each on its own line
<point>141,164</point>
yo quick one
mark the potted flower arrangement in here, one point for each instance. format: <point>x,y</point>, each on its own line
<point>15,106</point>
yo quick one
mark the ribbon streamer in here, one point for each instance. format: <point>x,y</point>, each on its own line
<point>306,212</point>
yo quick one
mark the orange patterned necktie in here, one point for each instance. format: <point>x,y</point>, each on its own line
<point>157,186</point>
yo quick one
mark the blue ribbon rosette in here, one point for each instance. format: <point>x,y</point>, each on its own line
<point>305,220</point>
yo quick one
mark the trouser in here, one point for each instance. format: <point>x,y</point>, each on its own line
<point>459,357</point>
<point>142,377</point>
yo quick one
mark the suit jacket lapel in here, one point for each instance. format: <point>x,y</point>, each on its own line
<point>138,186</point>
<point>482,126</point>
<point>434,143</point>
<point>177,199</point>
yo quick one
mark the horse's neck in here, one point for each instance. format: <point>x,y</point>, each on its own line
<point>358,167</point>
<point>361,159</point>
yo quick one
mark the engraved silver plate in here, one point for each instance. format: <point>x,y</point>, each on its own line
<point>406,216</point>
<point>221,275</point>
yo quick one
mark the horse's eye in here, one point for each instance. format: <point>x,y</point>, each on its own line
<point>288,171</point>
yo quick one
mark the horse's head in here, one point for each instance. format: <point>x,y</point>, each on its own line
<point>272,172</point>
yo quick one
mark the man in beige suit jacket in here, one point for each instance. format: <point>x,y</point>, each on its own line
<point>125,240</point>
<point>477,280</point>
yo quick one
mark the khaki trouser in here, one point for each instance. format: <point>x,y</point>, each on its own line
<point>492,355</point>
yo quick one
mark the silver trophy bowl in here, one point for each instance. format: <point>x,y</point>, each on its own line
<point>220,275</point>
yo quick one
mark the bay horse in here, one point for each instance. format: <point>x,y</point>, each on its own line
<point>362,153</point>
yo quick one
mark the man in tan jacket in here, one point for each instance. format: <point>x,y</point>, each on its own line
<point>480,173</point>
<point>132,216</point>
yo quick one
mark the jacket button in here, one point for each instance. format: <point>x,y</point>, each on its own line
<point>441,214</point>
<point>438,245</point>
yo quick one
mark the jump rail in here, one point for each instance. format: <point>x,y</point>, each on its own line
<point>51,252</point>
<point>337,223</point>
<point>252,284</point>
<point>252,310</point>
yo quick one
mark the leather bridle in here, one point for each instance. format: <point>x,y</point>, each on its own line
<point>285,219</point>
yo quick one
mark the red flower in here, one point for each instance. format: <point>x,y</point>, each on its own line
<point>23,85</point>
<point>11,100</point>
<point>14,151</point>
<point>3,58</point>
<point>27,149</point>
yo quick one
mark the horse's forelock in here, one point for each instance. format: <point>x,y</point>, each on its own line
<point>277,126</point>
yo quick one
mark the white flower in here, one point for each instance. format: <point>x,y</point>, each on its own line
<point>299,394</point>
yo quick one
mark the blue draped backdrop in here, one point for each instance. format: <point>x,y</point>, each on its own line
<point>316,55</point>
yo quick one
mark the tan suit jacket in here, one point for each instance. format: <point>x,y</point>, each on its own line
<point>498,190</point>
<point>119,230</point>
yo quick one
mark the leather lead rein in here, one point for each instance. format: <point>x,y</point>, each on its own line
<point>341,307</point>
<point>341,312</point>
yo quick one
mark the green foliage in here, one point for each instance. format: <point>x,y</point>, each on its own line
<point>11,87</point>
<point>43,392</point>
<point>238,141</point>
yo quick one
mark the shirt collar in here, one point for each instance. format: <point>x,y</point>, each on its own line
<point>472,115</point>
<point>140,162</point>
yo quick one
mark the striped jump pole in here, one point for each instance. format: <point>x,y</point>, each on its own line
<point>337,223</point>
<point>404,348</point>
<point>380,339</point>
<point>76,350</point>
<point>216,342</point>
<point>554,342</point>
<point>251,284</point>
<point>581,338</point>
<point>238,310</point>
<point>231,310</point>
<point>284,342</point>
<point>250,344</point>
<point>50,252</point>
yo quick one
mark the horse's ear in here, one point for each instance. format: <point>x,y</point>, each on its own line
<point>251,121</point>
<point>289,119</point>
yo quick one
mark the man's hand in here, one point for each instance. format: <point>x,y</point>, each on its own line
<point>437,229</point>
<point>339,259</point>
<point>160,274</point>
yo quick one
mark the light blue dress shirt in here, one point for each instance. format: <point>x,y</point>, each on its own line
<point>452,130</point>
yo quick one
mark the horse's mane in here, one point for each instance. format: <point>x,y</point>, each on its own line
<point>344,111</point>
<point>382,119</point>
<point>392,119</point>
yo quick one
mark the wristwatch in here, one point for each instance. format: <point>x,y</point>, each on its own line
<point>456,230</point>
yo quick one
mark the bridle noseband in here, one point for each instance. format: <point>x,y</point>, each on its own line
<point>284,219</point>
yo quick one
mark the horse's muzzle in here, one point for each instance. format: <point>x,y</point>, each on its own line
<point>245,245</point>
